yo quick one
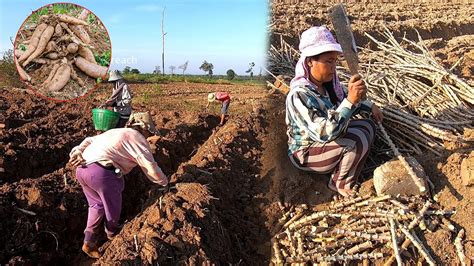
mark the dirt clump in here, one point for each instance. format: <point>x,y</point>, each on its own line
<point>40,132</point>
<point>177,228</point>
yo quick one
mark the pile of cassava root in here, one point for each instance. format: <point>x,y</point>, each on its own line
<point>59,45</point>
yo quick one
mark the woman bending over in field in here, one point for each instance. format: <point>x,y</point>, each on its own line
<point>223,97</point>
<point>322,137</point>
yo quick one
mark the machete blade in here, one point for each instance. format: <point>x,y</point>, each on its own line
<point>344,36</point>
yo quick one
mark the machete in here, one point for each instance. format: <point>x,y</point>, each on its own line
<point>344,36</point>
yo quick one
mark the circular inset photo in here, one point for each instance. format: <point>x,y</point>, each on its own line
<point>62,51</point>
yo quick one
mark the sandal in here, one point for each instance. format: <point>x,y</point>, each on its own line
<point>91,250</point>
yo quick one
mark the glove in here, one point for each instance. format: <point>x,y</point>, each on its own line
<point>167,188</point>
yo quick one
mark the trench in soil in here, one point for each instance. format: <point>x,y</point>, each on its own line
<point>47,216</point>
<point>40,146</point>
<point>229,229</point>
<point>60,212</point>
<point>180,144</point>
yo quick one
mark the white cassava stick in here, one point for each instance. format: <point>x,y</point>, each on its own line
<point>419,183</point>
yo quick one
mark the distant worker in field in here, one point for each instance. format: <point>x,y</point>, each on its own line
<point>322,137</point>
<point>101,162</point>
<point>223,97</point>
<point>121,99</point>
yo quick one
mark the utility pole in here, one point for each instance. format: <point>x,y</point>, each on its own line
<point>163,33</point>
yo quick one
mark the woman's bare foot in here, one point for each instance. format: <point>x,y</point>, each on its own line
<point>343,192</point>
<point>346,192</point>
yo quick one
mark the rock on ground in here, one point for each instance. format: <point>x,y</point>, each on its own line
<point>391,178</point>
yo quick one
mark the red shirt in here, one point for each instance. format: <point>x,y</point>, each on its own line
<point>222,96</point>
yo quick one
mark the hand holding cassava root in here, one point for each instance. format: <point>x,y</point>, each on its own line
<point>61,46</point>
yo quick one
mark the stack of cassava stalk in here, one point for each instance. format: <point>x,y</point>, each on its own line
<point>424,104</point>
<point>359,229</point>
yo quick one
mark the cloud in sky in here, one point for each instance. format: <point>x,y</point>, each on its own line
<point>148,8</point>
<point>114,19</point>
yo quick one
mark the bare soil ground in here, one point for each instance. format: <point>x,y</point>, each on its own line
<point>230,180</point>
<point>212,215</point>
<point>447,26</point>
<point>448,32</point>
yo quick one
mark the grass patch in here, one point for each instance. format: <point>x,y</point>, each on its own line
<point>91,19</point>
<point>153,78</point>
<point>157,88</point>
<point>103,59</point>
<point>36,15</point>
<point>148,94</point>
<point>60,8</point>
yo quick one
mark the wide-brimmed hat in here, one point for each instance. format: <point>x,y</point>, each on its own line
<point>144,120</point>
<point>318,40</point>
<point>211,97</point>
<point>115,75</point>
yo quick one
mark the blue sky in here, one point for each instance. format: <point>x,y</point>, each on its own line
<point>228,33</point>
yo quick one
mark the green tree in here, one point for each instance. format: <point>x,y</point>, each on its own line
<point>230,74</point>
<point>207,67</point>
<point>8,70</point>
<point>126,70</point>
<point>135,71</point>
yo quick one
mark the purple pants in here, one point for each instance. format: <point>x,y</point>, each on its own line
<point>103,190</point>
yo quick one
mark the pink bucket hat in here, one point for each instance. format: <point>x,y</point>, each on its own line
<point>318,40</point>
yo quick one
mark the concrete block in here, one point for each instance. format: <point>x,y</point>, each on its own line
<point>391,178</point>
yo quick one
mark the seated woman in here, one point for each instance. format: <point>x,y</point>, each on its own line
<point>322,137</point>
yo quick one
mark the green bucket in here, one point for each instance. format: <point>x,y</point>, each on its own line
<point>104,119</point>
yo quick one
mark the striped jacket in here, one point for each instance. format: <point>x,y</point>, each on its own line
<point>312,117</point>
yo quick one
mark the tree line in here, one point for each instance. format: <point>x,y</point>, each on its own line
<point>207,67</point>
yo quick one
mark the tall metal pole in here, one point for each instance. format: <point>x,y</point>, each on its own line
<point>163,33</point>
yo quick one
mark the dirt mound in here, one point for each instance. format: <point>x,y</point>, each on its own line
<point>212,215</point>
<point>187,228</point>
<point>179,227</point>
<point>39,132</point>
<point>41,213</point>
<point>456,52</point>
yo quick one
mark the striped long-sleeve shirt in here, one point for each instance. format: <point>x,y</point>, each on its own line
<point>312,117</point>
